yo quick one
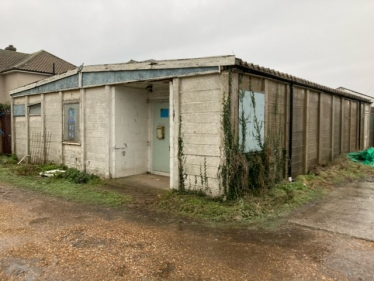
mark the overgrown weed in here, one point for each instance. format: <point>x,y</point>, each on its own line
<point>248,170</point>
<point>275,202</point>
<point>75,176</point>
<point>72,185</point>
<point>339,171</point>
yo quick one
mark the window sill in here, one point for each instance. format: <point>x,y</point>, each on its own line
<point>71,143</point>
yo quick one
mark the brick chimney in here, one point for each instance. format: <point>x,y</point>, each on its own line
<point>11,48</point>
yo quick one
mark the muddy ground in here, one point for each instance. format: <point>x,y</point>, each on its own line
<point>44,238</point>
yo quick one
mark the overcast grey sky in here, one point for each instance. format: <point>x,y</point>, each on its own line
<point>330,42</point>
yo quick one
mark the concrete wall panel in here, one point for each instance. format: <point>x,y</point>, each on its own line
<point>337,126</point>
<point>298,131</point>
<point>96,131</point>
<point>131,131</point>
<point>200,107</point>
<point>72,156</point>
<point>20,136</point>
<point>53,127</point>
<point>252,83</point>
<point>354,126</point>
<point>313,129</point>
<point>326,128</point>
<point>346,125</point>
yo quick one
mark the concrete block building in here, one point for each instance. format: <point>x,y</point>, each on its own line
<point>19,69</point>
<point>118,120</point>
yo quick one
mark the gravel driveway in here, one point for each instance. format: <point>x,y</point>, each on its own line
<point>44,238</point>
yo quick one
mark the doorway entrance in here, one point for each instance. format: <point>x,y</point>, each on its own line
<point>161,138</point>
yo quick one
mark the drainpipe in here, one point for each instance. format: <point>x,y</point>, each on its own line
<point>290,135</point>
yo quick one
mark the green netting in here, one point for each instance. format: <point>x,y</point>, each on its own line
<point>365,157</point>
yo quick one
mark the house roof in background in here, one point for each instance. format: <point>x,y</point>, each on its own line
<point>41,62</point>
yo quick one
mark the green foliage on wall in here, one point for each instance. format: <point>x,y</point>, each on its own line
<point>181,159</point>
<point>256,171</point>
<point>4,107</point>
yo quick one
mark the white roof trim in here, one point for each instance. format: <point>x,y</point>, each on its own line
<point>163,64</point>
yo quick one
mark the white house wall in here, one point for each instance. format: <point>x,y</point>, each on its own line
<point>131,131</point>
<point>10,81</point>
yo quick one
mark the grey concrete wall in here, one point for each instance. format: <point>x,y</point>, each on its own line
<point>200,110</point>
<point>313,129</point>
<point>298,131</point>
<point>131,131</point>
<point>326,128</point>
<point>337,126</point>
<point>71,152</point>
<point>36,139</point>
<point>323,126</point>
<point>346,125</point>
<point>20,133</point>
<point>53,127</point>
<point>20,136</point>
<point>97,131</point>
<point>354,126</point>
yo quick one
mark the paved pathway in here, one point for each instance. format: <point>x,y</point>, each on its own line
<point>349,210</point>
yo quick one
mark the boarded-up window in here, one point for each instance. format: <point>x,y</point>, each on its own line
<point>35,109</point>
<point>19,110</point>
<point>252,114</point>
<point>71,122</point>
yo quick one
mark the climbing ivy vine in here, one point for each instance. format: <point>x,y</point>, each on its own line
<point>181,159</point>
<point>255,171</point>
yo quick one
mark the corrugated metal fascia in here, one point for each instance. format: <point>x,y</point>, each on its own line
<point>297,82</point>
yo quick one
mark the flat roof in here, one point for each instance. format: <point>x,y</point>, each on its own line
<point>132,71</point>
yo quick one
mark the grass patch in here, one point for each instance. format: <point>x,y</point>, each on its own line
<point>75,185</point>
<point>278,201</point>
